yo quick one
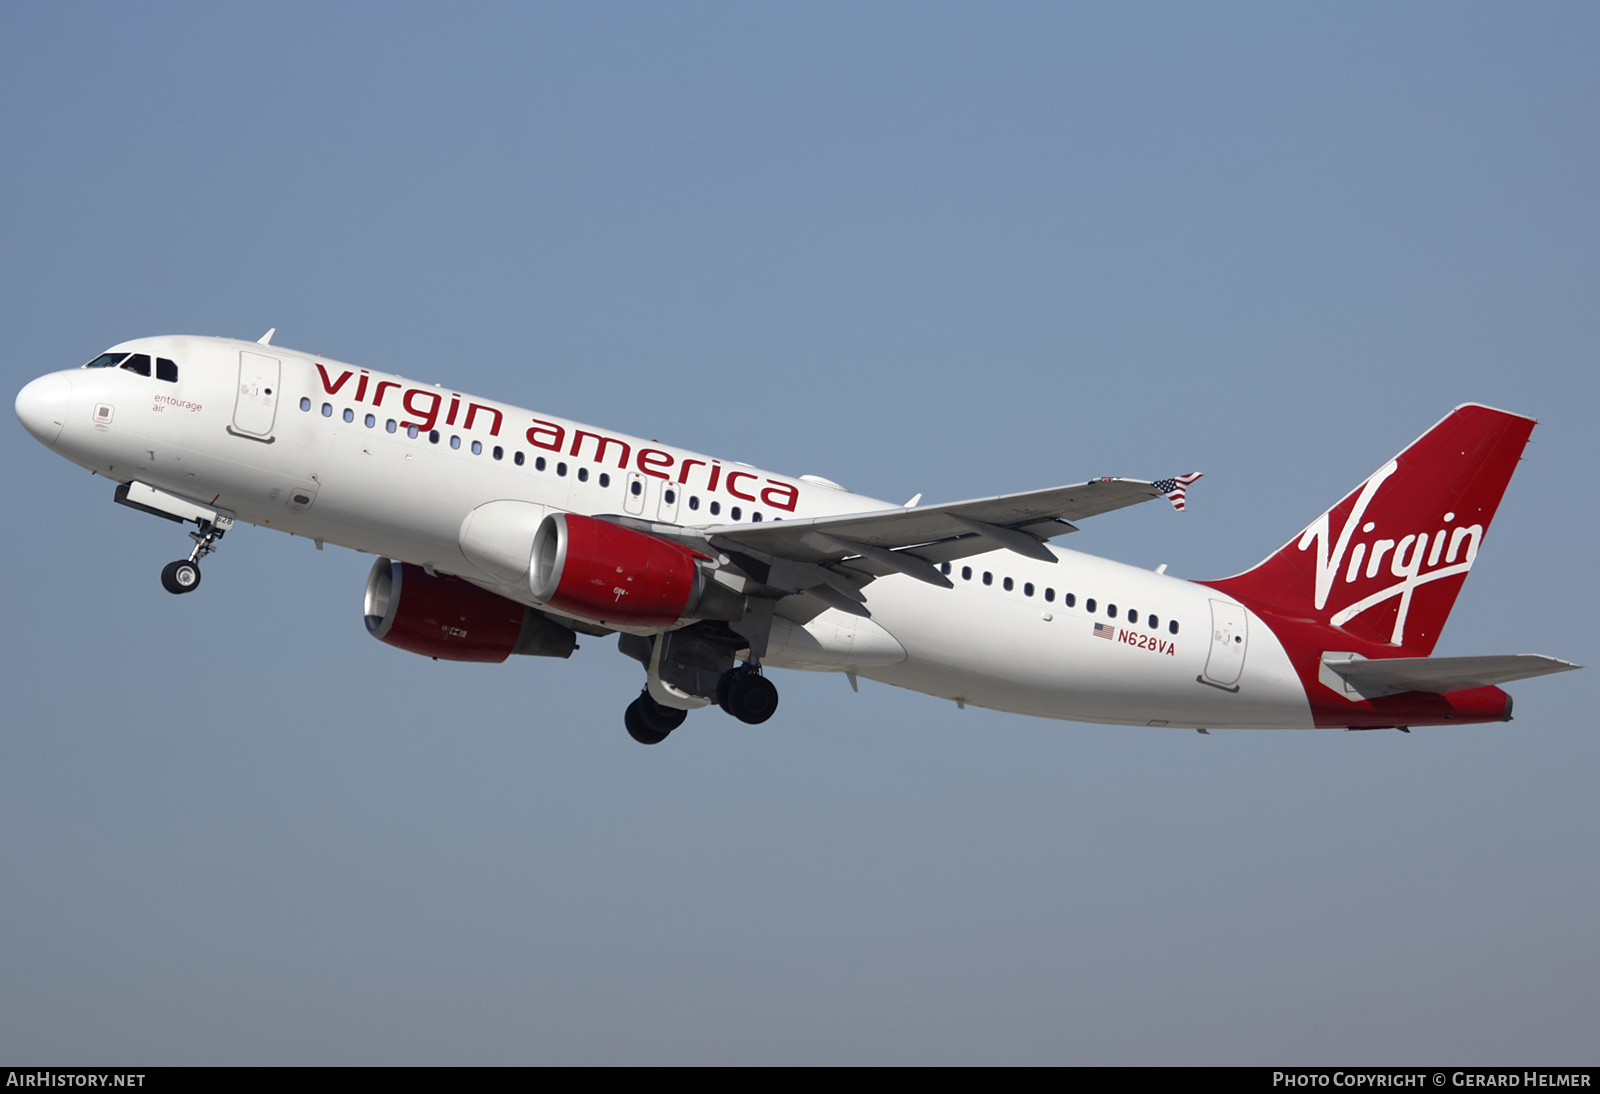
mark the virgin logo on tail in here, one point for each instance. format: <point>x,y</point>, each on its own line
<point>1416,558</point>
<point>1395,542</point>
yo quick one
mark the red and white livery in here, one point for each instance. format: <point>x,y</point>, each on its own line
<point>503,531</point>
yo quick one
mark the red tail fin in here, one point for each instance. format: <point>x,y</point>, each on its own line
<point>1386,563</point>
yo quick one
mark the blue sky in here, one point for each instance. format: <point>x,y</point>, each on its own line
<point>937,248</point>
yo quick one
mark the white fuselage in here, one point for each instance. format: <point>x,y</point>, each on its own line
<point>232,434</point>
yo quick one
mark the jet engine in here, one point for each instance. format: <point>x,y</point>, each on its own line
<point>597,570</point>
<point>453,620</point>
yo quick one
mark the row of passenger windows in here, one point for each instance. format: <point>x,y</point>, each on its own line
<point>669,494</point>
<point>138,362</point>
<point>1069,599</point>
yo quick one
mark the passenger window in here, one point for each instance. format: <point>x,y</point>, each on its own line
<point>517,459</point>
<point>498,453</point>
<point>966,573</point>
<point>988,578</point>
<point>636,488</point>
<point>538,462</point>
<point>1007,583</point>
<point>1088,605</point>
<point>669,496</point>
<point>1027,590</point>
<point>305,404</point>
<point>371,421</point>
<point>139,362</point>
<point>716,507</point>
<point>1172,626</point>
<point>349,415</point>
<point>1111,611</point>
<point>390,425</point>
<point>166,370</point>
<point>583,474</point>
<point>455,442</point>
<point>756,517</point>
<point>411,430</point>
<point>1155,624</point>
<point>106,360</point>
<point>736,513</point>
<point>433,436</point>
<point>944,567</point>
<point>477,448</point>
<point>1049,595</point>
<point>605,479</point>
<point>1072,598</point>
<point>694,501</point>
<point>327,412</point>
<point>561,469</point>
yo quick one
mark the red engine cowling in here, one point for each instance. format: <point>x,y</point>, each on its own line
<point>444,617</point>
<point>602,571</point>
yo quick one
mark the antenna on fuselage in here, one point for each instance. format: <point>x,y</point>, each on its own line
<point>266,339</point>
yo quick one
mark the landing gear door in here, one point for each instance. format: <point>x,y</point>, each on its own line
<point>256,406</point>
<point>1229,627</point>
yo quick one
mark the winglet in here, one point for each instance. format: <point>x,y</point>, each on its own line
<point>266,339</point>
<point>1173,489</point>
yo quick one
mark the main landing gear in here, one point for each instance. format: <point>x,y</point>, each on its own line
<point>747,695</point>
<point>649,722</point>
<point>183,576</point>
<point>743,692</point>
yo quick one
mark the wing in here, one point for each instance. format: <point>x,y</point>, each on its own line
<point>832,557</point>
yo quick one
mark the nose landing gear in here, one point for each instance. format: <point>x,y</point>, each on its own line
<point>183,576</point>
<point>180,577</point>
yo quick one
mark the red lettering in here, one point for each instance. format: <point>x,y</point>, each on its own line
<point>472,411</point>
<point>329,386</point>
<point>775,490</point>
<point>732,489</point>
<point>683,469</point>
<point>716,473</point>
<point>600,446</point>
<point>431,414</point>
<point>377,392</point>
<point>361,386</point>
<point>556,433</point>
<point>455,405</point>
<point>654,457</point>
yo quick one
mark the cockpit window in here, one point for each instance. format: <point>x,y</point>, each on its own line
<point>107,360</point>
<point>166,370</point>
<point>139,362</point>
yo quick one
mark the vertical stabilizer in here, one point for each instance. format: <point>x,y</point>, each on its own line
<point>1384,565</point>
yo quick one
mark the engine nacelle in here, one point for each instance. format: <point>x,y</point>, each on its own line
<point>454,620</point>
<point>597,570</point>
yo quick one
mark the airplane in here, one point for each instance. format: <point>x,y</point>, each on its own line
<point>499,530</point>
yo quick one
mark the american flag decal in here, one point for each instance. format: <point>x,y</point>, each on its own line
<point>1172,489</point>
<point>1106,631</point>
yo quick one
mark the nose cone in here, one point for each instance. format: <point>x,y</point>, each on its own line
<point>42,406</point>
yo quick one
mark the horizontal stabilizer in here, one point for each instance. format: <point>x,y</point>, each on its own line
<point>1389,675</point>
